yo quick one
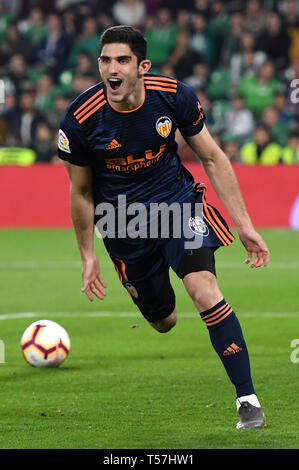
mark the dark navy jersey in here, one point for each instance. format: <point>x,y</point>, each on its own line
<point>133,153</point>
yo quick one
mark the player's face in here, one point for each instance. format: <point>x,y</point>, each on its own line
<point>122,75</point>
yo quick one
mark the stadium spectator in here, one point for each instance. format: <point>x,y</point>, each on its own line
<point>231,42</point>
<point>231,148</point>
<point>290,153</point>
<point>255,17</point>
<point>281,104</point>
<point>219,20</point>
<point>86,65</point>
<point>34,27</point>
<point>61,102</point>
<point>27,120</point>
<point>43,144</point>
<point>259,90</point>
<point>279,129</point>
<point>183,18</point>
<point>87,42</point>
<point>219,85</point>
<point>54,50</point>
<point>130,12</point>
<point>70,22</point>
<point>5,19</point>
<point>218,24</point>
<point>199,78</point>
<point>161,34</point>
<point>247,60</point>
<point>239,120</point>
<point>17,75</point>
<point>45,93</point>
<point>289,9</point>
<point>201,41</point>
<point>275,41</point>
<point>261,149</point>
<point>15,43</point>
<point>183,58</point>
<point>81,82</point>
<point>8,120</point>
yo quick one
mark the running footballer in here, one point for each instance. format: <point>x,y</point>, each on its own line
<point>118,138</point>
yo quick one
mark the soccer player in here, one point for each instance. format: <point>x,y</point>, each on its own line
<point>118,138</point>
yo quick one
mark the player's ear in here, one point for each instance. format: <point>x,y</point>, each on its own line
<point>144,66</point>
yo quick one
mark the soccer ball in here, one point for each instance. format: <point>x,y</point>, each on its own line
<point>45,343</point>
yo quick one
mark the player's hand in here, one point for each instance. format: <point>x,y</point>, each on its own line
<point>92,281</point>
<point>257,251</point>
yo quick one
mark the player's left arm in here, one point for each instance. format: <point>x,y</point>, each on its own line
<point>225,184</point>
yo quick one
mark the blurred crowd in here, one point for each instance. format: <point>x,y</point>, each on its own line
<point>241,58</point>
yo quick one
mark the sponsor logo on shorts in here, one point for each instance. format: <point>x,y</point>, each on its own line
<point>163,126</point>
<point>63,142</point>
<point>131,289</point>
<point>198,226</point>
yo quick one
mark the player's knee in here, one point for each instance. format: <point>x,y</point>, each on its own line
<point>203,290</point>
<point>166,324</point>
<point>204,299</point>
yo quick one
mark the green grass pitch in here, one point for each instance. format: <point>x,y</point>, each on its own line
<point>125,386</point>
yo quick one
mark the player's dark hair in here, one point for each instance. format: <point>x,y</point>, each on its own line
<point>127,35</point>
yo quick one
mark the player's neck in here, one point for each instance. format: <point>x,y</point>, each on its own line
<point>130,102</point>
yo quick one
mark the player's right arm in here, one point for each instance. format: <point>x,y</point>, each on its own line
<point>73,149</point>
<point>82,214</point>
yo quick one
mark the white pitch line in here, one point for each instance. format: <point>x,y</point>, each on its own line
<point>44,315</point>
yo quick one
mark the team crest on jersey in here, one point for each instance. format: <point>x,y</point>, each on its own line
<point>163,126</point>
<point>131,289</point>
<point>63,142</point>
<point>198,226</point>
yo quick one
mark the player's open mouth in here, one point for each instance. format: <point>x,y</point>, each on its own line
<point>115,83</point>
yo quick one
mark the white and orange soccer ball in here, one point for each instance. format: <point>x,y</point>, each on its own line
<point>45,343</point>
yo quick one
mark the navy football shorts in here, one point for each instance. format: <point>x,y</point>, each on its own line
<point>146,276</point>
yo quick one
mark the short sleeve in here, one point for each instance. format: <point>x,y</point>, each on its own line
<point>72,145</point>
<point>190,115</point>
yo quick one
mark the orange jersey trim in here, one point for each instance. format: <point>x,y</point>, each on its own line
<point>86,116</point>
<point>156,87</point>
<point>162,79</point>
<point>158,83</point>
<point>101,98</point>
<point>88,101</point>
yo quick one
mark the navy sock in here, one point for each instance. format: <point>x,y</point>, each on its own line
<point>228,341</point>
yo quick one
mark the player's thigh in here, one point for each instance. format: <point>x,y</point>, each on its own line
<point>148,283</point>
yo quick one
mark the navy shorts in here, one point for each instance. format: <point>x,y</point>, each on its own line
<point>146,276</point>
